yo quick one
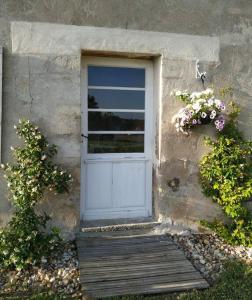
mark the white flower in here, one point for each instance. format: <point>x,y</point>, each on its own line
<point>12,148</point>
<point>201,100</point>
<point>178,93</point>
<point>210,102</point>
<point>174,118</point>
<point>208,91</point>
<point>203,115</point>
<point>213,114</point>
<point>195,95</point>
<point>217,102</point>
<point>172,93</point>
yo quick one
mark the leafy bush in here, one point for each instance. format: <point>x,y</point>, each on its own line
<point>226,177</point>
<point>25,240</point>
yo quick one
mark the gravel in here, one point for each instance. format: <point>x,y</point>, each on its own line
<point>208,253</point>
<point>59,275</point>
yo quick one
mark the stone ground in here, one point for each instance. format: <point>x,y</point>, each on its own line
<point>206,251</point>
<point>59,275</point>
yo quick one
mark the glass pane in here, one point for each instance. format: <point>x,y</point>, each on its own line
<point>116,76</point>
<point>115,143</point>
<point>116,99</point>
<point>125,121</point>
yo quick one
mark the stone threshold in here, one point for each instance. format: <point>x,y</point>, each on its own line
<point>129,226</point>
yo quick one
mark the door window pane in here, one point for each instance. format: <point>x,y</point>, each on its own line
<point>115,143</point>
<point>116,99</point>
<point>115,121</point>
<point>116,76</point>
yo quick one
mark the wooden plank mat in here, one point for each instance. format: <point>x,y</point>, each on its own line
<point>142,264</point>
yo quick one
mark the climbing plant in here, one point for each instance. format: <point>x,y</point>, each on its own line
<point>26,238</point>
<point>226,171</point>
<point>226,177</point>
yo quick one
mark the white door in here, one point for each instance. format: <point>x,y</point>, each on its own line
<point>117,138</point>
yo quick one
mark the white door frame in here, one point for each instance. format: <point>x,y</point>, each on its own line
<point>149,126</point>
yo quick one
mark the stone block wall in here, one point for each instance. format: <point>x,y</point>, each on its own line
<point>42,81</point>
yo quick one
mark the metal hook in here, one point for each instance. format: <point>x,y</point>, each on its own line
<point>200,75</point>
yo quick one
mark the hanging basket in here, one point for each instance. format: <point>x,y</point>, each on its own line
<point>205,120</point>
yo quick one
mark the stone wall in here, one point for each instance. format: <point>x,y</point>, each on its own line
<point>41,81</point>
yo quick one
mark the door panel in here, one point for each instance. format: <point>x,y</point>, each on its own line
<point>118,142</point>
<point>129,184</point>
<point>98,186</point>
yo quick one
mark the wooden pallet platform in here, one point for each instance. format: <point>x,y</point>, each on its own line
<point>143,264</point>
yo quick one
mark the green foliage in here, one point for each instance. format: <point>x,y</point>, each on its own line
<point>26,239</point>
<point>226,177</point>
<point>234,283</point>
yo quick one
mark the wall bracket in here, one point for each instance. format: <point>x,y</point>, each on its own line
<point>198,74</point>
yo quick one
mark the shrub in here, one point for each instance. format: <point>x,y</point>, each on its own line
<point>226,177</point>
<point>26,239</point>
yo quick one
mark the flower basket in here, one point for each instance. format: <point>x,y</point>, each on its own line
<point>201,108</point>
<point>206,120</point>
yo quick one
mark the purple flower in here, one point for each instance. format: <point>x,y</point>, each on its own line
<point>222,106</point>
<point>194,122</point>
<point>220,123</point>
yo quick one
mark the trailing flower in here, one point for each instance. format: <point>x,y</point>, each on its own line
<point>201,108</point>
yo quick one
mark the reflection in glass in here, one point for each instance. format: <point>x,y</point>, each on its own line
<point>116,121</point>
<point>115,143</point>
<point>116,76</point>
<point>116,99</point>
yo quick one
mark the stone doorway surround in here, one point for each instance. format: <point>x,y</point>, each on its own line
<point>55,51</point>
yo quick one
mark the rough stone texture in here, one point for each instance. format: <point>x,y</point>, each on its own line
<point>29,38</point>
<point>41,80</point>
